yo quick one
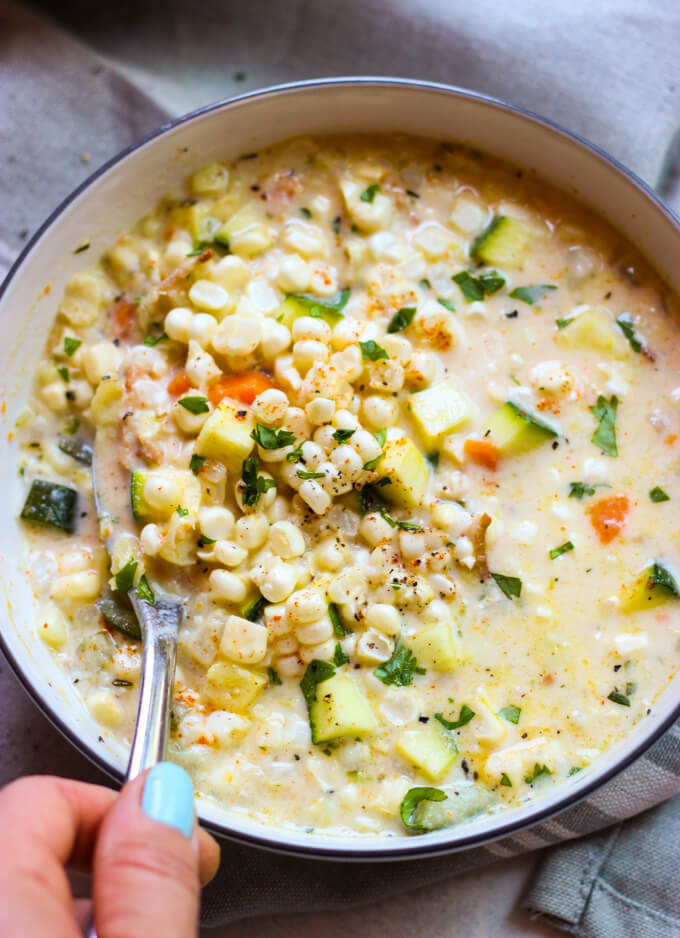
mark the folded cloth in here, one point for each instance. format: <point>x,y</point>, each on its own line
<point>61,101</point>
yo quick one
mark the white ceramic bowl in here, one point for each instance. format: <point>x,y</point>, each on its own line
<point>125,189</point>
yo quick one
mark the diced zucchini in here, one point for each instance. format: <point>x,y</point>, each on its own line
<point>106,403</point>
<point>438,410</point>
<point>487,727</point>
<point>119,616</point>
<point>655,585</point>
<point>77,449</point>
<point>231,687</point>
<point>514,430</point>
<point>429,749</point>
<point>188,500</point>
<point>245,233</point>
<point>302,304</point>
<point>503,243</point>
<point>226,434</point>
<point>52,504</point>
<point>594,329</point>
<point>435,647</point>
<point>406,468</point>
<point>340,709</point>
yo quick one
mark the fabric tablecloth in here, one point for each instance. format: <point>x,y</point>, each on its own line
<point>607,71</point>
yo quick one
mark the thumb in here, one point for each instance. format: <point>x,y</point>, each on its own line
<point>147,870</point>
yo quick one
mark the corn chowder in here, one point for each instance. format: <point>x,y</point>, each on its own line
<point>402,427</point>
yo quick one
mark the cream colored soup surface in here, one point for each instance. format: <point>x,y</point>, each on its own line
<point>403,428</point>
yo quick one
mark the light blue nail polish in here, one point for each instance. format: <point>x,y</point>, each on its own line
<point>169,797</point>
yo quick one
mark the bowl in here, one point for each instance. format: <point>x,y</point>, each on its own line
<point>121,191</point>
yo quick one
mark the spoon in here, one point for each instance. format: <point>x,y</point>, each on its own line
<point>159,621</point>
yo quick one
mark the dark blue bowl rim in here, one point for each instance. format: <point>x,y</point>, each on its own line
<point>417,847</point>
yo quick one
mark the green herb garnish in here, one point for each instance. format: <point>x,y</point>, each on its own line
<point>579,489</point>
<point>144,591</point>
<point>204,541</point>
<point>254,485</point>
<point>447,304</point>
<point>411,818</point>
<point>322,308</point>
<point>71,345</point>
<point>536,773</point>
<point>401,319</point>
<point>618,698</point>
<point>269,438</point>
<point>562,549</point>
<point>531,294</point>
<point>295,455</point>
<point>563,323</point>
<point>625,324</point>
<point>195,404</point>
<point>464,717</point>
<point>369,193</point>
<point>305,212</point>
<point>510,713</point>
<point>196,463</point>
<point>336,621</point>
<point>339,656</point>
<point>151,340</point>
<point>505,781</point>
<point>573,770</point>
<point>371,351</point>
<point>401,667</point>
<point>181,511</point>
<point>475,288</point>
<point>317,672</point>
<point>604,412</point>
<point>341,436</point>
<point>273,677</point>
<point>253,611</point>
<point>395,523</point>
<point>509,585</point>
<point>658,495</point>
<point>63,373</point>
<point>372,464</point>
<point>301,474</point>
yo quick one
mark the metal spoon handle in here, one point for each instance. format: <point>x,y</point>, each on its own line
<point>160,624</point>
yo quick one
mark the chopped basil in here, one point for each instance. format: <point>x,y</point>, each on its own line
<point>319,308</point>
<point>509,585</point>
<point>464,717</point>
<point>510,713</point>
<point>336,621</point>
<point>395,523</point>
<point>563,323</point>
<point>562,549</point>
<point>425,283</point>
<point>71,345</point>
<point>475,288</point>
<point>536,773</point>
<point>196,463</point>
<point>630,688</point>
<point>604,412</point>
<point>301,474</point>
<point>339,656</point>
<point>254,485</point>
<point>573,770</point>
<point>401,319</point>
<point>253,611</point>
<point>618,698</point>
<point>369,193</point>
<point>295,455</point>
<point>372,464</point>
<point>341,436</point>
<point>408,809</point>
<point>505,781</point>
<point>82,247</point>
<point>144,591</point>
<point>195,404</point>
<point>381,436</point>
<point>401,667</point>
<point>433,459</point>
<point>371,351</point>
<point>63,373</point>
<point>125,578</point>
<point>151,340</point>
<point>181,511</point>
<point>531,294</point>
<point>305,212</point>
<point>76,449</point>
<point>447,304</point>
<point>273,677</point>
<point>317,672</point>
<point>269,438</point>
<point>625,324</point>
<point>204,541</point>
<point>658,495</point>
<point>579,489</point>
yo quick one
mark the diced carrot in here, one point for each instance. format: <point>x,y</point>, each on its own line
<point>244,388</point>
<point>124,315</point>
<point>483,452</point>
<point>608,516</point>
<point>180,384</point>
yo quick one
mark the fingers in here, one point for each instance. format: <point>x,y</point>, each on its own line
<point>208,856</point>
<point>147,869</point>
<point>47,823</point>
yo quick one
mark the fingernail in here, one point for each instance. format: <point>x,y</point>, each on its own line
<point>169,797</point>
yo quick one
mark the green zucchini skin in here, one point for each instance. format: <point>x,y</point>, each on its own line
<point>119,616</point>
<point>77,449</point>
<point>51,504</point>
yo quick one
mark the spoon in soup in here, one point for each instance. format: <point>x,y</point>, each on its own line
<point>159,618</point>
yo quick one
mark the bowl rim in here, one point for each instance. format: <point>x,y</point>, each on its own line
<point>277,842</point>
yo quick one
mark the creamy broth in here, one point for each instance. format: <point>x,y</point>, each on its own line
<point>402,426</point>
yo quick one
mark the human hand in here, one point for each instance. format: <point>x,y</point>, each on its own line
<point>147,856</point>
